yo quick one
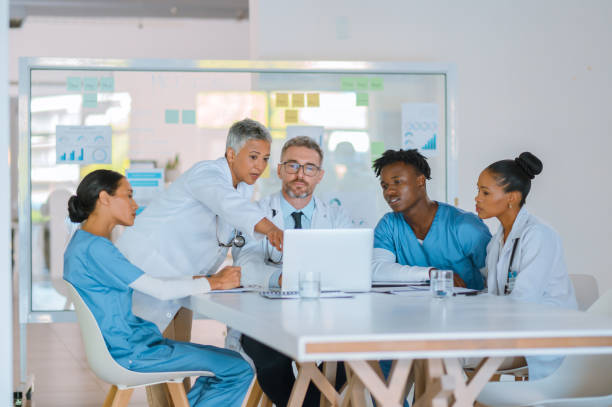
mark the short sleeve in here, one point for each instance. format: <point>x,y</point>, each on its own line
<point>473,236</point>
<point>115,270</point>
<point>383,235</point>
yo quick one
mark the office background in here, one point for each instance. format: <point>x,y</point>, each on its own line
<point>531,76</point>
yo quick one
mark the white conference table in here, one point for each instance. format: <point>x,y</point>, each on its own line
<point>375,326</point>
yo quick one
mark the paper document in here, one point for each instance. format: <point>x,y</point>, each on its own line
<point>296,295</point>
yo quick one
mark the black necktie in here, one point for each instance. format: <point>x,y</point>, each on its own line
<point>297,218</point>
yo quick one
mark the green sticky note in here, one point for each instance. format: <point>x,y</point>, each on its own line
<point>189,117</point>
<point>362,83</point>
<point>90,84</point>
<point>90,100</point>
<point>172,116</point>
<point>377,148</point>
<point>107,84</point>
<point>363,99</point>
<point>376,84</point>
<point>73,84</point>
<point>347,83</point>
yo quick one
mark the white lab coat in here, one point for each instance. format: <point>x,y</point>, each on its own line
<point>251,257</point>
<point>176,235</point>
<point>542,274</point>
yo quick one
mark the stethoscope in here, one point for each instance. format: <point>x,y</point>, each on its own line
<point>268,252</point>
<point>237,240</point>
<point>508,287</point>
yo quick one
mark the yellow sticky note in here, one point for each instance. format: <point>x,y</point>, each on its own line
<point>297,100</point>
<point>266,173</point>
<point>312,99</point>
<point>291,116</point>
<point>282,100</point>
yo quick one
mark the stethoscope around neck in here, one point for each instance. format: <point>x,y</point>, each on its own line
<point>237,240</point>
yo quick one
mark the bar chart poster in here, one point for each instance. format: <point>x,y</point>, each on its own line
<point>83,144</point>
<point>420,128</point>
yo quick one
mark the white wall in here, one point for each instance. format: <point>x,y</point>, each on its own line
<point>533,75</point>
<point>6,296</point>
<point>128,38</point>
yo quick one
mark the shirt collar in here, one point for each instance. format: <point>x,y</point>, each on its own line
<point>288,209</point>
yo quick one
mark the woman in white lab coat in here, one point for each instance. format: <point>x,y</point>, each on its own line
<point>525,257</point>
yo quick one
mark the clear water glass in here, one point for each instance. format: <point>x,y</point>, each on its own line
<point>441,283</point>
<point>310,284</point>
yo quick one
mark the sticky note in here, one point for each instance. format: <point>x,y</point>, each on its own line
<point>107,84</point>
<point>90,100</point>
<point>312,99</point>
<point>347,83</point>
<point>297,100</point>
<point>171,116</point>
<point>377,148</point>
<point>282,100</point>
<point>291,116</point>
<point>73,84</point>
<point>266,173</point>
<point>189,117</point>
<point>376,84</point>
<point>362,83</point>
<point>363,99</point>
<point>90,84</point>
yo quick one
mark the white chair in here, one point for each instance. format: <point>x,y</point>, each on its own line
<point>123,380</point>
<point>581,380</point>
<point>586,290</point>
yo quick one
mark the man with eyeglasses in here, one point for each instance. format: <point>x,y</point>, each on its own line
<point>294,207</point>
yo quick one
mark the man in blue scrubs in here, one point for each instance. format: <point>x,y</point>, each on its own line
<point>421,234</point>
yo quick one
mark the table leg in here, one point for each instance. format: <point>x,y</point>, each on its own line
<point>439,385</point>
<point>390,393</point>
<point>308,372</point>
<point>329,370</point>
<point>465,393</point>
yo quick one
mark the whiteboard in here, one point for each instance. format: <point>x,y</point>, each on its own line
<point>156,109</point>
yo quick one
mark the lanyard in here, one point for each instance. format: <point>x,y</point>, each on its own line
<point>508,288</point>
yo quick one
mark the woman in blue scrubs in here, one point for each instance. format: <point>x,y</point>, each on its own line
<point>105,279</point>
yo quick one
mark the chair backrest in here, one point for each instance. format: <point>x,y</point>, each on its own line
<point>100,360</point>
<point>586,290</point>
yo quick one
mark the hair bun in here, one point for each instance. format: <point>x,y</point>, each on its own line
<point>529,163</point>
<point>76,212</point>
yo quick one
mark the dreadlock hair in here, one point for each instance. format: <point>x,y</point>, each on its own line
<point>411,157</point>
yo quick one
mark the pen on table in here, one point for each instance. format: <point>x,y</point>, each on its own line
<point>468,293</point>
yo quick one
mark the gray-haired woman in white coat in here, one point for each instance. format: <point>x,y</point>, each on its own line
<point>525,257</point>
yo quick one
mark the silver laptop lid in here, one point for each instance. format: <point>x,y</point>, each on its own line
<point>342,256</point>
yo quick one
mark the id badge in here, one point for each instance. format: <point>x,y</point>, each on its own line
<point>511,281</point>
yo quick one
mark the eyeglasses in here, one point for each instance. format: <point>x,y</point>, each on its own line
<point>293,168</point>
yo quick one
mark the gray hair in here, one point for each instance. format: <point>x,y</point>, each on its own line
<point>244,130</point>
<point>303,141</point>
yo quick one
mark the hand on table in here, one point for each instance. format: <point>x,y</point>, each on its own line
<point>458,281</point>
<point>228,277</point>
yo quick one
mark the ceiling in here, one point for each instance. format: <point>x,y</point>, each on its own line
<point>224,9</point>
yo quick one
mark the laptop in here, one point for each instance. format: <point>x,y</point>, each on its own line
<point>342,256</point>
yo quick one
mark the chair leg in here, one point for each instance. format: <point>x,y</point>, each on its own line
<point>122,398</point>
<point>177,394</point>
<point>254,395</point>
<point>110,396</point>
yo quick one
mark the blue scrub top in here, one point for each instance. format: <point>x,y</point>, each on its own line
<point>101,275</point>
<point>457,240</point>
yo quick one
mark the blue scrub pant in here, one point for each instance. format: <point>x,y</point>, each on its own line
<point>232,374</point>
<point>385,366</point>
